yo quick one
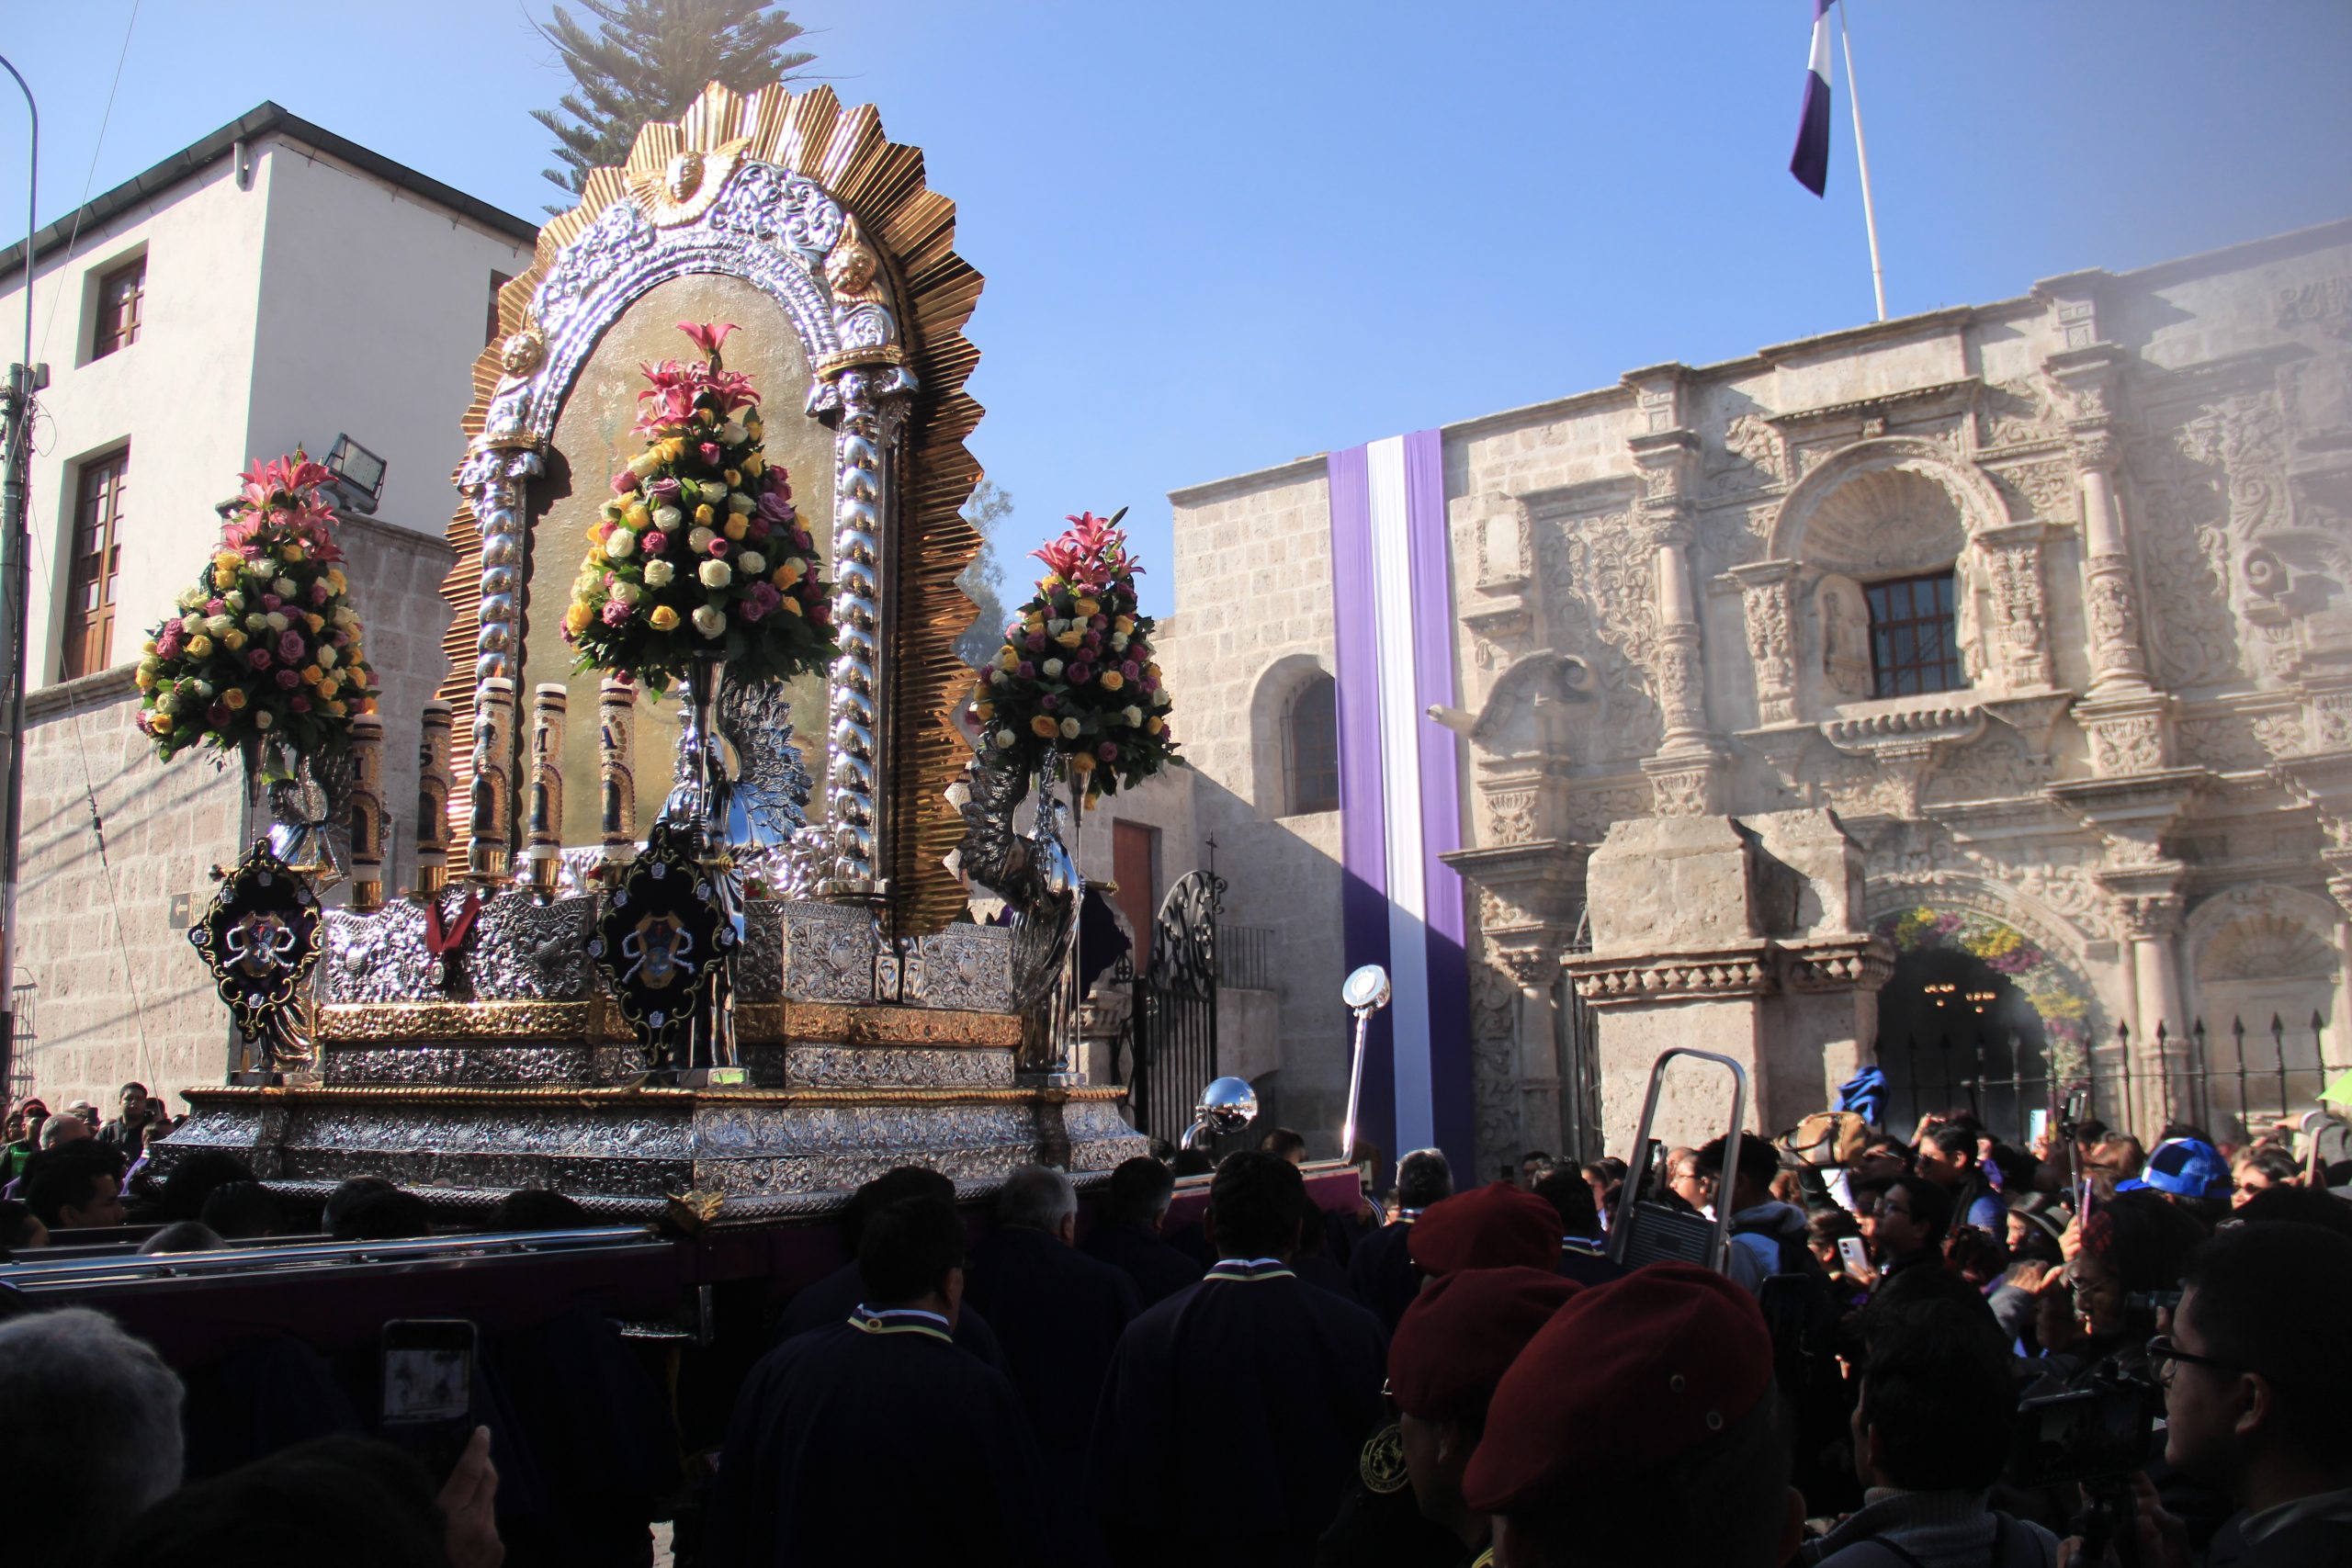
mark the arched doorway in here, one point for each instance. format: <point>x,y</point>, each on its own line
<point>1976,1014</point>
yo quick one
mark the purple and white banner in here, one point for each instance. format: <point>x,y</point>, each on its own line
<point>1400,789</point>
<point>1810,162</point>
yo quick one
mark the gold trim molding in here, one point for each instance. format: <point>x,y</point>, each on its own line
<point>756,1023</point>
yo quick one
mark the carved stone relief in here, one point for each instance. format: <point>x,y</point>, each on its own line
<point>1600,603</point>
<point>1843,611</point>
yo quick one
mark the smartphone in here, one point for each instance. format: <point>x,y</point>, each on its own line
<point>2037,1123</point>
<point>1857,1256</point>
<point>428,1405</point>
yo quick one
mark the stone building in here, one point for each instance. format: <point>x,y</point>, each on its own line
<point>274,285</point>
<point>1972,692</point>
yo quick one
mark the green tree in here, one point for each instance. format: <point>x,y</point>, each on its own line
<point>983,581</point>
<point>647,60</point>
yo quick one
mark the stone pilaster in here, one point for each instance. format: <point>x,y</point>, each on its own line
<point>1768,601</point>
<point>1530,896</point>
<point>1691,771</point>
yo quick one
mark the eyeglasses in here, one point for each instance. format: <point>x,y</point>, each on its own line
<point>2164,1356</point>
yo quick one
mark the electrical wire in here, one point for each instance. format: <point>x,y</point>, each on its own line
<point>73,237</point>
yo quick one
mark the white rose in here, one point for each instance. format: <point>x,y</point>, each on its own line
<point>1053,668</point>
<point>1004,741</point>
<point>619,545</point>
<point>150,665</point>
<point>667,517</point>
<point>741,504</point>
<point>628,593</point>
<point>716,574</point>
<point>275,620</point>
<point>325,656</point>
<point>262,719</point>
<point>714,492</point>
<point>699,540</point>
<point>236,601</point>
<point>1159,698</point>
<point>219,625</point>
<point>256,623</point>
<point>709,622</point>
<point>643,464</point>
<point>1119,641</point>
<point>733,433</point>
<point>1134,715</point>
<point>753,563</point>
<point>204,690</point>
<point>284,588</point>
<point>191,599</point>
<point>167,703</point>
<point>658,573</point>
<point>1070,730</point>
<point>999,677</point>
<point>192,625</point>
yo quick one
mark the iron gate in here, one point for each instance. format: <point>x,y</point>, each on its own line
<point>1171,1032</point>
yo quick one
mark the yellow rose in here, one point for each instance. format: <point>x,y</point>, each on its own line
<point>734,477</point>
<point>663,619</point>
<point>234,697</point>
<point>316,623</point>
<point>223,579</point>
<point>1111,680</point>
<point>1083,763</point>
<point>329,686</point>
<point>313,674</point>
<point>1044,729</point>
<point>199,646</point>
<point>161,723</point>
<point>294,550</point>
<point>227,560</point>
<point>235,639</point>
<point>672,449</point>
<point>144,680</point>
<point>147,647</point>
<point>1089,607</point>
<point>356,675</point>
<point>1070,638</point>
<point>784,576</point>
<point>337,709</point>
<point>1152,671</point>
<point>1124,625</point>
<point>703,513</point>
<point>593,533</point>
<point>575,620</point>
<point>638,516</point>
<point>1153,724</point>
<point>793,606</point>
<point>983,710</point>
<point>736,527</point>
<point>754,466</point>
<point>336,582</point>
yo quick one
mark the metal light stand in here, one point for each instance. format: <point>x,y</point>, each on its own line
<point>1366,992</point>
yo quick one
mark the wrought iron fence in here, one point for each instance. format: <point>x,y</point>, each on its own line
<point>2234,1083</point>
<point>1244,957</point>
<point>20,1057</point>
<point>1172,1031</point>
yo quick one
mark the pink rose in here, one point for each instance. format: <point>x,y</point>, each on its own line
<point>341,640</point>
<point>1049,702</point>
<point>289,645</point>
<point>615,612</point>
<point>778,483</point>
<point>318,593</point>
<point>719,546</point>
<point>762,600</point>
<point>301,703</point>
<point>271,602</point>
<point>625,481</point>
<point>1034,642</point>
<point>259,658</point>
<point>170,643</point>
<point>1100,623</point>
<point>216,607</point>
<point>286,679</point>
<point>1107,753</point>
<point>774,506</point>
<point>821,612</point>
<point>218,713</point>
<point>1025,670</point>
<point>756,527</point>
<point>1129,670</point>
<point>1079,674</point>
<point>664,490</point>
<point>710,452</point>
<point>655,541</point>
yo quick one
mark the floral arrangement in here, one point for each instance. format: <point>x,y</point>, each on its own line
<point>698,553</point>
<point>1076,673</point>
<point>265,647</point>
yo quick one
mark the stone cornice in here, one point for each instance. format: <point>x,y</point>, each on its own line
<point>97,691</point>
<point>1808,967</point>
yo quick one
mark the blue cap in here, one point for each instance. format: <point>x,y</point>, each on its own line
<point>2187,1168</point>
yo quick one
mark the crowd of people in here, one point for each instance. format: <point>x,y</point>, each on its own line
<point>1939,1352</point>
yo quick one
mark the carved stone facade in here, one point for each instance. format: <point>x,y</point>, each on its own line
<point>2139,488</point>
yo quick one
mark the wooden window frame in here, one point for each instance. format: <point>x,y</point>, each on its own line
<point>87,646</point>
<point>1914,634</point>
<point>117,327</point>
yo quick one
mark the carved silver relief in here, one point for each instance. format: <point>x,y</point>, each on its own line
<point>968,967</point>
<point>494,482</point>
<point>770,785</point>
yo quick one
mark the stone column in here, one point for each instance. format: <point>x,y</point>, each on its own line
<point>1690,772</point>
<point>1767,599</point>
<point>2152,919</point>
<point>1531,894</point>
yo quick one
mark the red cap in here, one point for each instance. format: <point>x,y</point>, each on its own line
<point>1625,1377</point>
<point>1497,1226</point>
<point>1462,1333</point>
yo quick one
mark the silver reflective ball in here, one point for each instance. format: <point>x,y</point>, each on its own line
<point>1366,989</point>
<point>1228,1104</point>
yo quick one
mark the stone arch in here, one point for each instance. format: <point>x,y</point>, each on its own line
<point>1278,686</point>
<point>1836,518</point>
<point>2258,954</point>
<point>2024,948</point>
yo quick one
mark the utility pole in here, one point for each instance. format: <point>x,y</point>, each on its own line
<point>25,378</point>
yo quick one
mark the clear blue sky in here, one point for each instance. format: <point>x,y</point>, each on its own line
<point>1220,236</point>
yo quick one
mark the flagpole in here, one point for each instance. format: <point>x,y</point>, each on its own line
<point>1863,160</point>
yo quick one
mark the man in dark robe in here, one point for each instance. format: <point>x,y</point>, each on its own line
<point>831,1299</point>
<point>1381,1272</point>
<point>877,1441</point>
<point>1235,1410</point>
<point>1127,1235</point>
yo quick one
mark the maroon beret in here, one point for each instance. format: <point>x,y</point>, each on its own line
<point>1462,1333</point>
<point>1497,1227</point>
<point>1626,1376</point>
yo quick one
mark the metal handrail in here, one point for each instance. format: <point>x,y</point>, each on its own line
<point>35,1275</point>
<point>1719,1236</point>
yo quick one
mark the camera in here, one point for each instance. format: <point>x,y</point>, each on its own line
<point>2101,1432</point>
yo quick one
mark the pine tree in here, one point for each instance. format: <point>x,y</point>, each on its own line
<point>983,581</point>
<point>647,60</point>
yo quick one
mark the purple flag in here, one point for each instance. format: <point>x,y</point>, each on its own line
<point>1810,162</point>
